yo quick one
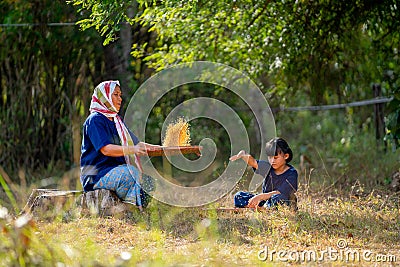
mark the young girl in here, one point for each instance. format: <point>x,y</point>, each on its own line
<point>280,178</point>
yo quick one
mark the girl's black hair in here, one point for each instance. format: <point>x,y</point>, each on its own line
<point>278,145</point>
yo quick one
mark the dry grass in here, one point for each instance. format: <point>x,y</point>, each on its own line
<point>170,236</point>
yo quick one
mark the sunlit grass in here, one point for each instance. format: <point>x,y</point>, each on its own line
<point>163,235</point>
<point>170,236</point>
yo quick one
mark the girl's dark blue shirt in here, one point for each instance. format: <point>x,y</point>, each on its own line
<point>285,183</point>
<point>98,131</point>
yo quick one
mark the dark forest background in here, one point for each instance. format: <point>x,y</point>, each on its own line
<point>345,51</point>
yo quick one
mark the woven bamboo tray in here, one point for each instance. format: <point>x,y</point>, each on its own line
<point>173,150</point>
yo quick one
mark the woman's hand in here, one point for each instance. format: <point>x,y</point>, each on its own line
<point>150,145</point>
<point>139,149</point>
<point>238,155</point>
<point>118,151</point>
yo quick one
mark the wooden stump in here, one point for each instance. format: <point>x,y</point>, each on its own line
<point>102,203</point>
<point>395,184</point>
<point>49,203</point>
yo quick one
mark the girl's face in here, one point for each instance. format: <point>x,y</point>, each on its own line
<point>117,98</point>
<point>278,162</point>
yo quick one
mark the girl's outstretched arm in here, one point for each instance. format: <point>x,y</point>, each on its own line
<point>246,157</point>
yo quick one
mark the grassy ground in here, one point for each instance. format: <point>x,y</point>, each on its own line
<point>329,229</point>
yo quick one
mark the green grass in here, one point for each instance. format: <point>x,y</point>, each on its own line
<point>171,236</point>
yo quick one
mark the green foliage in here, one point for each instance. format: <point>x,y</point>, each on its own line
<point>340,145</point>
<point>8,192</point>
<point>45,73</point>
<point>393,119</point>
<point>105,16</point>
<point>330,51</point>
<point>299,52</point>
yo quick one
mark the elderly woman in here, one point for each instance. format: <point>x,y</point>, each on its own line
<point>106,146</point>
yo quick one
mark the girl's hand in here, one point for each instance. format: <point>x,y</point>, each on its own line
<point>254,201</point>
<point>238,155</point>
<point>246,157</point>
